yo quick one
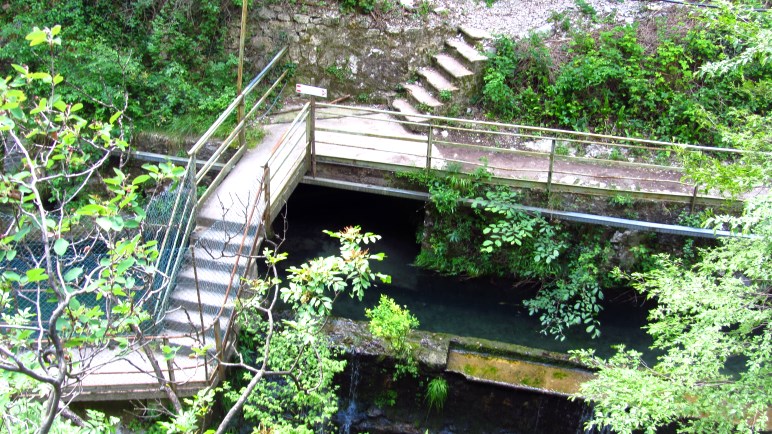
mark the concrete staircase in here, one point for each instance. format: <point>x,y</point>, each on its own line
<point>455,74</point>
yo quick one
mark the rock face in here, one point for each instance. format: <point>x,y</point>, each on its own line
<point>345,53</point>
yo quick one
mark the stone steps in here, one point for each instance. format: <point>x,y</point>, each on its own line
<point>422,97</point>
<point>436,81</point>
<point>451,67</point>
<point>469,56</point>
<point>453,77</point>
<point>473,35</point>
<point>408,111</point>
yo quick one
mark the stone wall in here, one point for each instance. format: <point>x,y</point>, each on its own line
<point>347,53</point>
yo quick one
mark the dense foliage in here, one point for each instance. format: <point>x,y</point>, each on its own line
<point>641,79</point>
<point>712,320</point>
<point>168,58</point>
<point>712,325</point>
<point>288,363</point>
<point>77,275</point>
<point>495,237</point>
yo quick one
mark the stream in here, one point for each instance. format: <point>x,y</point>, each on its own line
<point>482,308</point>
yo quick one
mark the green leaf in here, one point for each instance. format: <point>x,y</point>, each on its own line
<point>60,246</point>
<point>36,37</point>
<point>72,274</point>
<point>104,223</point>
<point>11,276</point>
<point>36,275</point>
<point>74,304</point>
<point>124,265</point>
<point>140,179</point>
<point>115,117</point>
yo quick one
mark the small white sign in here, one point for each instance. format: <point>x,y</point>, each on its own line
<point>311,90</point>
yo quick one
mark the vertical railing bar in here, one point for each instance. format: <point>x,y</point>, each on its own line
<point>219,348</point>
<point>170,369</point>
<point>200,311</point>
<point>267,186</point>
<point>311,120</point>
<point>694,198</point>
<point>552,162</point>
<point>429,144</point>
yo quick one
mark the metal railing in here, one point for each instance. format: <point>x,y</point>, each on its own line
<point>186,203</point>
<point>523,156</point>
<point>235,133</point>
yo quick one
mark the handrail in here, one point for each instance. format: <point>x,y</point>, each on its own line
<point>208,134</point>
<point>541,129</point>
<point>639,173</point>
<point>236,130</point>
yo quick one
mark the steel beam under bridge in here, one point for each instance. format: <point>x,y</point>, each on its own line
<point>563,215</point>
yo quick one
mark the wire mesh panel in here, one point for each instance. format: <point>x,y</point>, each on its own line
<point>168,222</point>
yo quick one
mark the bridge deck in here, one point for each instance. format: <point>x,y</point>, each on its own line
<point>530,157</point>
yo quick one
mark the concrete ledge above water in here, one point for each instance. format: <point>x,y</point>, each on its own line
<point>477,360</point>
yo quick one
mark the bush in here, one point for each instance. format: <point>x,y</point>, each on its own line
<point>637,80</point>
<point>393,324</point>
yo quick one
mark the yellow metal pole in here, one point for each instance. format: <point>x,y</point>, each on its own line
<point>240,75</point>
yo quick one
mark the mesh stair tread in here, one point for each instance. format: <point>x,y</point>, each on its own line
<point>436,80</point>
<point>474,33</point>
<point>177,320</point>
<point>452,66</point>
<point>408,111</point>
<point>216,275</point>
<point>466,51</point>
<point>422,96</point>
<point>188,296</point>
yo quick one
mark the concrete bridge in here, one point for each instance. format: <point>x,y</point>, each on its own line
<point>355,148</point>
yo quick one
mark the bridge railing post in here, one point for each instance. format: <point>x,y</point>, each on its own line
<point>219,346</point>
<point>552,164</point>
<point>170,369</point>
<point>429,144</point>
<point>694,198</point>
<point>267,194</point>
<point>311,122</point>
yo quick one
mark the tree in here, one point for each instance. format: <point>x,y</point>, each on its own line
<point>713,327</point>
<point>77,261</point>
<point>286,360</point>
<point>713,322</point>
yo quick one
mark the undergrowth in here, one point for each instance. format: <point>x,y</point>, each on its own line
<point>640,79</point>
<point>165,59</point>
<point>569,264</point>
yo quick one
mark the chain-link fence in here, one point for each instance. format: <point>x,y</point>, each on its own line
<point>169,216</point>
<point>170,219</point>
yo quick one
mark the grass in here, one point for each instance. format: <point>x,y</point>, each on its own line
<point>436,393</point>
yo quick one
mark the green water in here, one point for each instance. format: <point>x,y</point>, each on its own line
<point>485,308</point>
